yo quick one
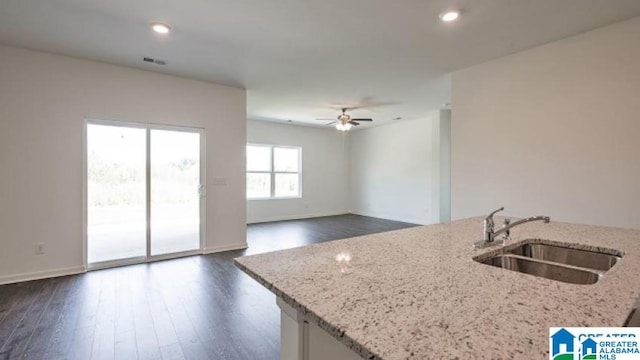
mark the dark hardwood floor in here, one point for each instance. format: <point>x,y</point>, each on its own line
<point>199,307</point>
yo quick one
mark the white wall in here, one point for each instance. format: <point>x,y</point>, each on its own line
<point>394,171</point>
<point>444,159</point>
<point>324,172</point>
<point>553,130</point>
<point>44,100</point>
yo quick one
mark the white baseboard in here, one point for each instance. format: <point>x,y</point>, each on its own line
<point>294,217</point>
<point>215,249</point>
<point>393,218</point>
<point>37,275</point>
<point>74,270</point>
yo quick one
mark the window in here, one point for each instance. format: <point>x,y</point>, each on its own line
<point>273,172</point>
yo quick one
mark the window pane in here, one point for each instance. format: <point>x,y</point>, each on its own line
<point>258,158</point>
<point>258,186</point>
<point>286,159</point>
<point>287,185</point>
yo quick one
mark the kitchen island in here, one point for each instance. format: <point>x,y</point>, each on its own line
<point>419,293</point>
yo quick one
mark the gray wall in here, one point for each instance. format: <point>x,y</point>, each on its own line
<point>395,170</point>
<point>553,130</point>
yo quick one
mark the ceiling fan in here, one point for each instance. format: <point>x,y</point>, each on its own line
<point>344,122</point>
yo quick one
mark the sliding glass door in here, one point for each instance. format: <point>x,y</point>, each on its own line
<point>175,191</point>
<point>144,198</point>
<point>116,183</point>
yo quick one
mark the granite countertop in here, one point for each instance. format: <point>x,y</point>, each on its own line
<point>418,293</point>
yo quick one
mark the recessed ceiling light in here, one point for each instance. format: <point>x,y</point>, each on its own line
<point>161,28</point>
<point>449,16</point>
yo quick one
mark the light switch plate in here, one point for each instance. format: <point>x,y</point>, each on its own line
<point>219,181</point>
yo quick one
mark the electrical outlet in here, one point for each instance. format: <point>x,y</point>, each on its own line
<point>40,249</point>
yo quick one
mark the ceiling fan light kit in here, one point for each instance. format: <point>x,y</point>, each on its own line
<point>345,122</point>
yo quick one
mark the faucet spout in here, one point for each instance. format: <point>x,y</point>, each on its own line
<point>507,227</point>
<point>490,216</point>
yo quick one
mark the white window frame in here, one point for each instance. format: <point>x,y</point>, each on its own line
<point>273,173</point>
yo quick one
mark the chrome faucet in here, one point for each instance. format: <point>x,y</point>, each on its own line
<point>490,235</point>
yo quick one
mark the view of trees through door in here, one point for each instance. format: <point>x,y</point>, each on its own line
<point>143,191</point>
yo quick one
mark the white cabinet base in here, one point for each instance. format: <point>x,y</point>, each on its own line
<point>301,340</point>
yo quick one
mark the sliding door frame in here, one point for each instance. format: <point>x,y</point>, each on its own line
<point>85,209</point>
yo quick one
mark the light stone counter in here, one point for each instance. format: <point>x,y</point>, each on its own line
<point>418,293</point>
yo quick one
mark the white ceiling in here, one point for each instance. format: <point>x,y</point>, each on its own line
<point>297,58</point>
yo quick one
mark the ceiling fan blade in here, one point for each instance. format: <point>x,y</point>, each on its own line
<point>344,107</point>
<point>362,119</point>
<point>353,123</point>
<point>367,102</point>
<point>331,123</point>
<point>326,119</point>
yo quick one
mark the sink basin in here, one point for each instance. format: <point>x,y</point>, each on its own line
<point>633,320</point>
<point>564,255</point>
<point>554,262</point>
<point>543,269</point>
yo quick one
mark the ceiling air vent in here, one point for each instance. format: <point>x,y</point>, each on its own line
<point>154,61</point>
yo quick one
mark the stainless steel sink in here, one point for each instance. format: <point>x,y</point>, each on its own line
<point>633,320</point>
<point>554,262</point>
<point>568,256</point>
<point>543,269</point>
